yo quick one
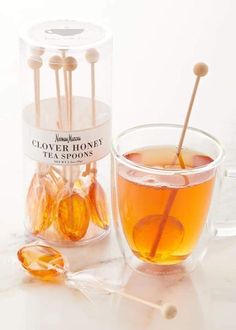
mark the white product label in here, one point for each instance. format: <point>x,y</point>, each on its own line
<point>67,148</point>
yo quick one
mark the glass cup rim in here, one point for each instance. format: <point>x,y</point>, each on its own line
<point>135,166</point>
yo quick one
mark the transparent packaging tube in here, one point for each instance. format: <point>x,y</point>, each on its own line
<point>66,96</point>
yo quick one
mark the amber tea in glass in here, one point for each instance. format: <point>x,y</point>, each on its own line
<point>152,234</point>
<point>163,203</point>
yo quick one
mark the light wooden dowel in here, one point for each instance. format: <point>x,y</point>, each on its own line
<point>55,63</point>
<point>35,63</point>
<point>65,85</point>
<point>70,101</point>
<point>188,115</point>
<point>59,115</point>
<point>92,56</point>
<point>93,94</point>
<point>69,65</point>
<point>36,96</point>
<point>200,70</point>
<point>168,311</point>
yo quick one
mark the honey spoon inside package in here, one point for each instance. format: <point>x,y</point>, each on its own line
<point>66,94</point>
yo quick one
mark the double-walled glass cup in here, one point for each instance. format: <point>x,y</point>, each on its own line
<point>164,215</point>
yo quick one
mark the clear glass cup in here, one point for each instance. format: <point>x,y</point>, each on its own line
<point>165,215</point>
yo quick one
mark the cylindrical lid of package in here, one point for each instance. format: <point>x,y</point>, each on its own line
<point>65,34</point>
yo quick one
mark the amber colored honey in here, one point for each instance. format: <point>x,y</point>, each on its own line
<point>73,216</point>
<point>39,204</point>
<point>163,217</point>
<point>98,205</point>
<point>42,261</point>
<point>62,213</point>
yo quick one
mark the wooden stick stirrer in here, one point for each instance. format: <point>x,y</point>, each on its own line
<point>167,310</point>
<point>200,70</point>
<point>69,65</point>
<point>92,56</point>
<point>35,63</point>
<point>65,84</point>
<point>55,63</point>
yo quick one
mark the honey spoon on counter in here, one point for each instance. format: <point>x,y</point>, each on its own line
<point>48,264</point>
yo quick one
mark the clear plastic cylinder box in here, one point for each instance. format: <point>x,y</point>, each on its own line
<point>66,97</point>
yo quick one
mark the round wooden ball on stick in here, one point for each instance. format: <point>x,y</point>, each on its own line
<point>35,62</point>
<point>200,70</point>
<point>56,63</point>
<point>72,211</point>
<point>69,65</point>
<point>39,51</point>
<point>96,195</point>
<point>39,196</point>
<point>92,56</point>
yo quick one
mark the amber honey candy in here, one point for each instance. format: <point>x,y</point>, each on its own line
<point>98,205</point>
<point>42,262</point>
<point>40,216</point>
<point>153,237</point>
<point>51,205</point>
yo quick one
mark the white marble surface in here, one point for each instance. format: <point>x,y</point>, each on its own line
<point>205,299</point>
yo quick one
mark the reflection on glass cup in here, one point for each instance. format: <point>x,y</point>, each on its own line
<point>163,204</point>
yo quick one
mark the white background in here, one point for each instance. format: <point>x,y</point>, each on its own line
<point>156,44</point>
